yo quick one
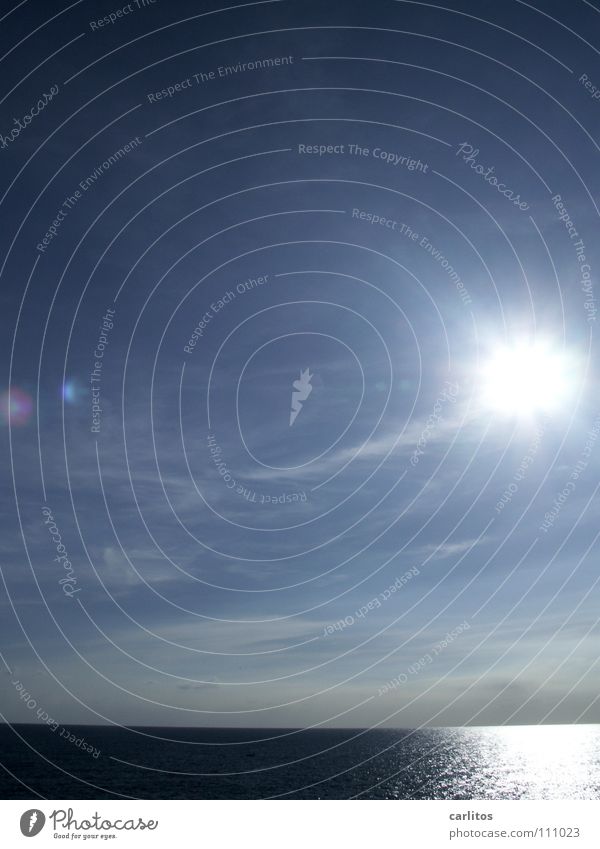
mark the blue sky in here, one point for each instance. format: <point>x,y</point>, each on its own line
<point>234,597</point>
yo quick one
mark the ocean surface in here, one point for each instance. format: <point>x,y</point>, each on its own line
<point>89,762</point>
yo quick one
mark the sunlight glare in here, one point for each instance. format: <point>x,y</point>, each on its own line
<point>524,379</point>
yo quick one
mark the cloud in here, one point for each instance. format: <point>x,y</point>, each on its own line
<point>449,549</point>
<point>117,573</point>
<point>376,448</point>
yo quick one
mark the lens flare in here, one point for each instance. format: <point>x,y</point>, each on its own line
<point>16,407</point>
<point>72,391</point>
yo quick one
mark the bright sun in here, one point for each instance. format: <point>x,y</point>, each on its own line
<point>524,379</point>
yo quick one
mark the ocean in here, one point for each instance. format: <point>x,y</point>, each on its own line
<point>103,762</point>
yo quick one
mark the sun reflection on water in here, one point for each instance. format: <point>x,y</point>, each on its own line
<point>528,762</point>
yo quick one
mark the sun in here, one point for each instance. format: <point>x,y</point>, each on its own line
<point>525,378</point>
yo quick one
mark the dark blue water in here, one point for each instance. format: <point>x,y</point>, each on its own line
<point>551,762</point>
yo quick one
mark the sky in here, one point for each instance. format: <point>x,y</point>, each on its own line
<point>300,329</point>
